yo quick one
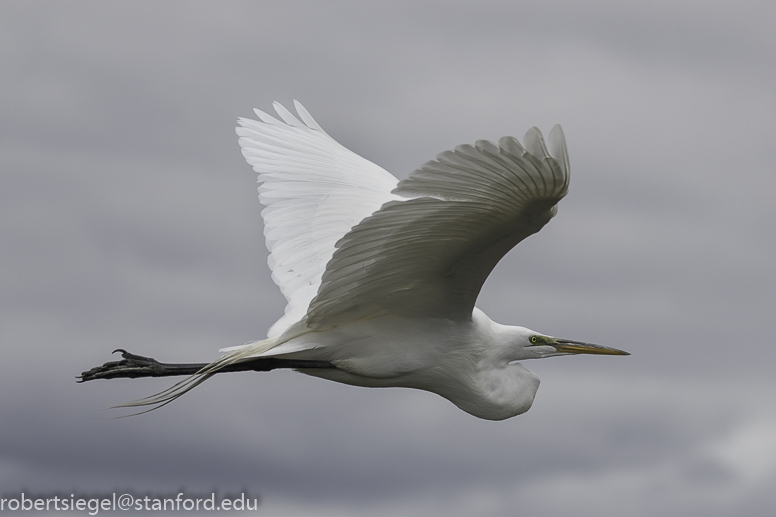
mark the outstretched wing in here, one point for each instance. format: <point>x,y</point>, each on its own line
<point>314,190</point>
<point>428,254</point>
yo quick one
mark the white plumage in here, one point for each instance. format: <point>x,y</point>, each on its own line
<point>314,191</point>
<point>381,276</point>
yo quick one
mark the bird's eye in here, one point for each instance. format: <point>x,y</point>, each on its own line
<point>533,339</point>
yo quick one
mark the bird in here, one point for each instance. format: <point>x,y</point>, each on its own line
<point>381,276</point>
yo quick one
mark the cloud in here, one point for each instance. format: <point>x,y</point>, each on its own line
<point>129,219</point>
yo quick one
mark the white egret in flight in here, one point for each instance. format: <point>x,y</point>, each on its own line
<point>381,276</point>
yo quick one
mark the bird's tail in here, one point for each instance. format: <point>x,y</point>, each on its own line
<point>189,383</point>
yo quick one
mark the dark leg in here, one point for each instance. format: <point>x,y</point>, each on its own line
<point>133,366</point>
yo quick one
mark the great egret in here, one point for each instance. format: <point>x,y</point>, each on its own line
<point>381,276</point>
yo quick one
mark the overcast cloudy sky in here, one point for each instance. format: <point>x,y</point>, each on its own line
<point>128,218</point>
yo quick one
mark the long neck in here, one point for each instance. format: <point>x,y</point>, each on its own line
<point>494,388</point>
<point>500,393</point>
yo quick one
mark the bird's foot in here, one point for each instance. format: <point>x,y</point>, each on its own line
<point>130,366</point>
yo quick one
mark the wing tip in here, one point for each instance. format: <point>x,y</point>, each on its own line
<point>556,141</point>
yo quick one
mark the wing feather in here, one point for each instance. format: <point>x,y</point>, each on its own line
<point>346,242</point>
<point>428,253</point>
<point>314,190</point>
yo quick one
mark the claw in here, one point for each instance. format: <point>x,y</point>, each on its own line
<point>130,366</point>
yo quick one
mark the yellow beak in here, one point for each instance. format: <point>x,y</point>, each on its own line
<point>577,347</point>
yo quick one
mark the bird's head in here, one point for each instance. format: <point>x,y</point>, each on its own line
<point>527,344</point>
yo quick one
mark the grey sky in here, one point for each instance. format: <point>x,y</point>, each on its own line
<point>128,218</point>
